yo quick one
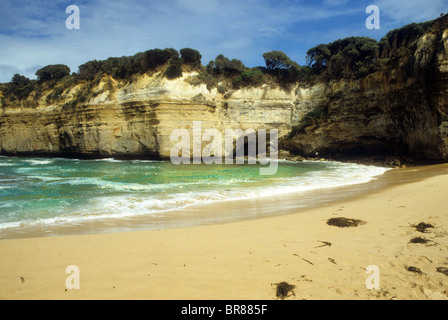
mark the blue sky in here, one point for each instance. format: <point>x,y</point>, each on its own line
<point>33,32</point>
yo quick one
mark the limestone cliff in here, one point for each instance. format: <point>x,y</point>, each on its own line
<point>399,111</point>
<point>136,119</point>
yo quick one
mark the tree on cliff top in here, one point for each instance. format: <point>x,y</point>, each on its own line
<point>400,37</point>
<point>20,81</point>
<point>223,65</point>
<point>191,57</point>
<point>282,67</point>
<point>51,72</point>
<point>19,87</point>
<point>276,60</point>
<point>88,70</point>
<point>154,58</point>
<point>125,67</point>
<point>344,57</point>
<point>174,69</point>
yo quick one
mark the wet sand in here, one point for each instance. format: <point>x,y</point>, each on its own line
<point>243,259</point>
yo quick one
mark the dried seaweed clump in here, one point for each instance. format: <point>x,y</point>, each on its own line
<point>415,270</point>
<point>419,240</point>
<point>443,270</point>
<point>283,289</point>
<point>421,227</point>
<point>344,222</point>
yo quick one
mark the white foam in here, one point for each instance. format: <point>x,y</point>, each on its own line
<point>344,176</point>
<point>108,160</point>
<point>145,161</point>
<point>7,164</point>
<point>35,162</point>
<point>334,175</point>
<point>46,178</point>
<point>124,186</point>
<point>118,186</point>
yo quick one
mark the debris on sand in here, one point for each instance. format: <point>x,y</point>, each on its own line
<point>345,222</point>
<point>419,240</point>
<point>325,244</point>
<point>283,289</point>
<point>415,270</point>
<point>443,270</point>
<point>303,259</point>
<point>421,227</point>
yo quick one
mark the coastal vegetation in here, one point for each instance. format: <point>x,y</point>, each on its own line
<point>311,117</point>
<point>349,58</point>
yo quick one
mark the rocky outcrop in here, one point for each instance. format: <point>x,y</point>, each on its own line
<point>401,111</point>
<point>137,119</point>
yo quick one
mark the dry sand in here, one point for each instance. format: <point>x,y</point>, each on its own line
<point>243,260</point>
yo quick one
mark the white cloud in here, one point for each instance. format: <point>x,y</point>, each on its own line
<point>400,12</point>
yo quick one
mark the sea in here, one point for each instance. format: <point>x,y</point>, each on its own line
<point>47,193</point>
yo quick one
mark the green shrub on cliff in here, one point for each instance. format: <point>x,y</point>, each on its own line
<point>20,87</point>
<point>345,57</point>
<point>319,113</point>
<point>405,35</point>
<point>204,77</point>
<point>154,58</point>
<point>282,67</point>
<point>278,60</point>
<point>191,57</point>
<point>249,77</point>
<point>119,68</point>
<point>126,67</point>
<point>52,72</point>
<point>88,70</point>
<point>20,81</point>
<point>55,94</point>
<point>224,66</point>
<point>21,93</point>
<point>174,69</point>
<point>279,68</point>
<point>310,118</point>
<point>360,56</point>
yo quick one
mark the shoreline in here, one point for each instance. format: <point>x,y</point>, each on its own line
<point>242,260</point>
<point>226,211</point>
<point>216,212</point>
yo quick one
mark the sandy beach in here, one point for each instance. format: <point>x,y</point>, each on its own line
<point>244,260</point>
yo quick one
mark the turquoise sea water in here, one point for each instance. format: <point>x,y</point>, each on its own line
<point>40,191</point>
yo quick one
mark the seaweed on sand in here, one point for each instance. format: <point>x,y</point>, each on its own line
<point>419,240</point>
<point>421,227</point>
<point>325,244</point>
<point>415,270</point>
<point>283,289</point>
<point>344,222</point>
<point>443,270</point>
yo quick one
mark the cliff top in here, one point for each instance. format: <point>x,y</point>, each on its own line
<point>352,57</point>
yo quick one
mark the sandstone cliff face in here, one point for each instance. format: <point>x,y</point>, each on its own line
<point>401,111</point>
<point>137,119</point>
